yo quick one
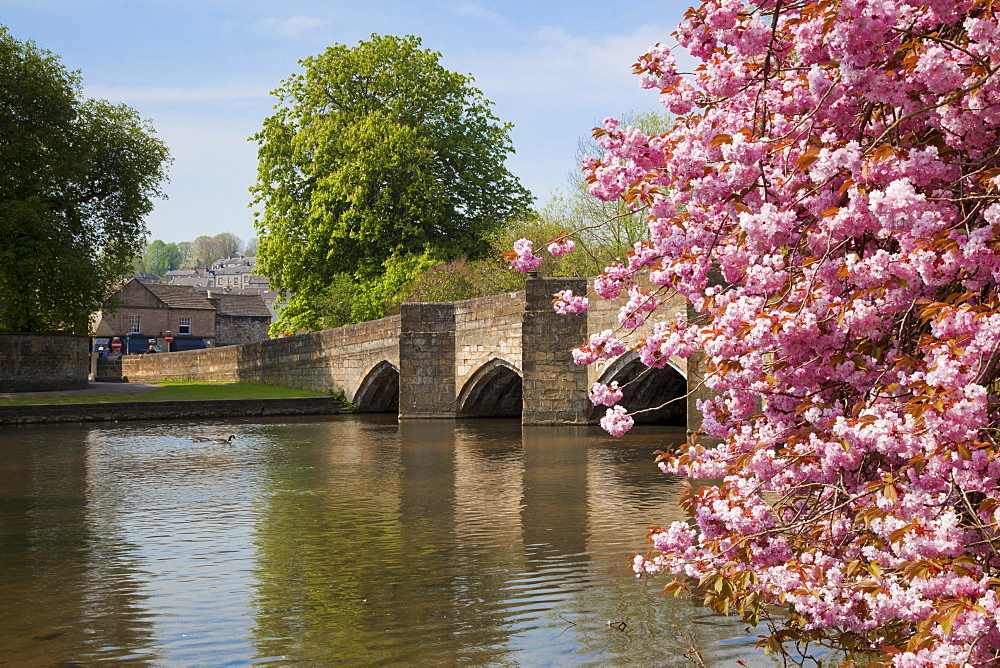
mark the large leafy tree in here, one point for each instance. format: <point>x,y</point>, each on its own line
<point>77,177</point>
<point>376,151</point>
<point>829,201</point>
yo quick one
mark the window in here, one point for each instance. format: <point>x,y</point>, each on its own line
<point>134,324</point>
<point>184,326</point>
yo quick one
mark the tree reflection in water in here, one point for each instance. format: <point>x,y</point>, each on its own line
<point>350,540</point>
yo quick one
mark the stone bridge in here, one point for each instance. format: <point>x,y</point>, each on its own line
<point>503,355</point>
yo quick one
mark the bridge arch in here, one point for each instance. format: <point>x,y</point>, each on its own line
<point>379,391</point>
<point>645,388</point>
<point>493,390</point>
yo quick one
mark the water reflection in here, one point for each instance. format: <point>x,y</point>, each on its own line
<point>356,540</point>
<point>69,589</point>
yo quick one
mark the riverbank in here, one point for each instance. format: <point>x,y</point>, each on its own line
<point>112,402</point>
<point>163,410</point>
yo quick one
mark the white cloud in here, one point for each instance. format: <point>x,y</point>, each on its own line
<point>558,65</point>
<point>554,85</point>
<point>292,27</point>
<point>477,10</point>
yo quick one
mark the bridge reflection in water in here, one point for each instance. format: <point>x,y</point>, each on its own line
<point>351,540</point>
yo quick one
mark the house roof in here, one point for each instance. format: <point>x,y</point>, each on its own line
<point>179,296</point>
<point>241,306</point>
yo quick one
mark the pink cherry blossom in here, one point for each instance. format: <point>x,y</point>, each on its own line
<point>565,302</point>
<point>523,259</point>
<point>561,246</point>
<point>617,421</point>
<point>605,395</point>
<point>828,202</point>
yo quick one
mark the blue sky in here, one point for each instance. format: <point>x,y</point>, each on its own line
<point>202,72</point>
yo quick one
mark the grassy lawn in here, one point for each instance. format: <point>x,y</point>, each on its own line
<point>177,391</point>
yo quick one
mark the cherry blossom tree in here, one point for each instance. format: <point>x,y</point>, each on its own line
<point>829,202</point>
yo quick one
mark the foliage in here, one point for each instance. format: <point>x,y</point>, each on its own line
<point>446,282</point>
<point>348,299</point>
<point>376,151</point>
<point>829,201</point>
<point>77,177</point>
<point>379,295</point>
<point>205,250</point>
<point>161,257</point>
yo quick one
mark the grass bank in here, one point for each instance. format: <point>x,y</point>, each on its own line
<point>175,391</point>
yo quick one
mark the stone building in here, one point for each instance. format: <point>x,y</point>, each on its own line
<point>149,310</point>
<point>239,318</point>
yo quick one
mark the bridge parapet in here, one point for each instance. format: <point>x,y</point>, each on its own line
<point>501,355</point>
<point>487,328</point>
<point>333,359</point>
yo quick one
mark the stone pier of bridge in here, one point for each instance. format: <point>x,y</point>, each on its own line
<point>499,356</point>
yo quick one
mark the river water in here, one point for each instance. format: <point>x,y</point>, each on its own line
<point>353,540</point>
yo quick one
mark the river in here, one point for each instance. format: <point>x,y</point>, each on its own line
<point>352,540</point>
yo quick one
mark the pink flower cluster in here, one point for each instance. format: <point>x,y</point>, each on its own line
<point>602,346</point>
<point>565,301</point>
<point>523,259</point>
<point>605,395</point>
<point>829,203</point>
<point>617,421</point>
<point>561,246</point>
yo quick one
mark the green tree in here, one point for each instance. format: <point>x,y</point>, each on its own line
<point>227,245</point>
<point>374,152</point>
<point>186,260</point>
<point>205,250</point>
<point>77,177</point>
<point>161,257</point>
<point>250,248</point>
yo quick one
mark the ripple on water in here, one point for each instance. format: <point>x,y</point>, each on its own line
<point>337,541</point>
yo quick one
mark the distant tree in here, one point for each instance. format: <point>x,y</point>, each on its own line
<point>186,261</point>
<point>376,152</point>
<point>227,245</point>
<point>161,257</point>
<point>250,249</point>
<point>202,252</point>
<point>605,231</point>
<point>77,177</point>
<point>205,249</point>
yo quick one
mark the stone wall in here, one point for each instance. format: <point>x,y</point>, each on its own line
<point>43,362</point>
<point>108,370</point>
<point>234,330</point>
<point>493,356</point>
<point>487,328</point>
<point>334,359</point>
<point>555,388</point>
<point>427,360</point>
